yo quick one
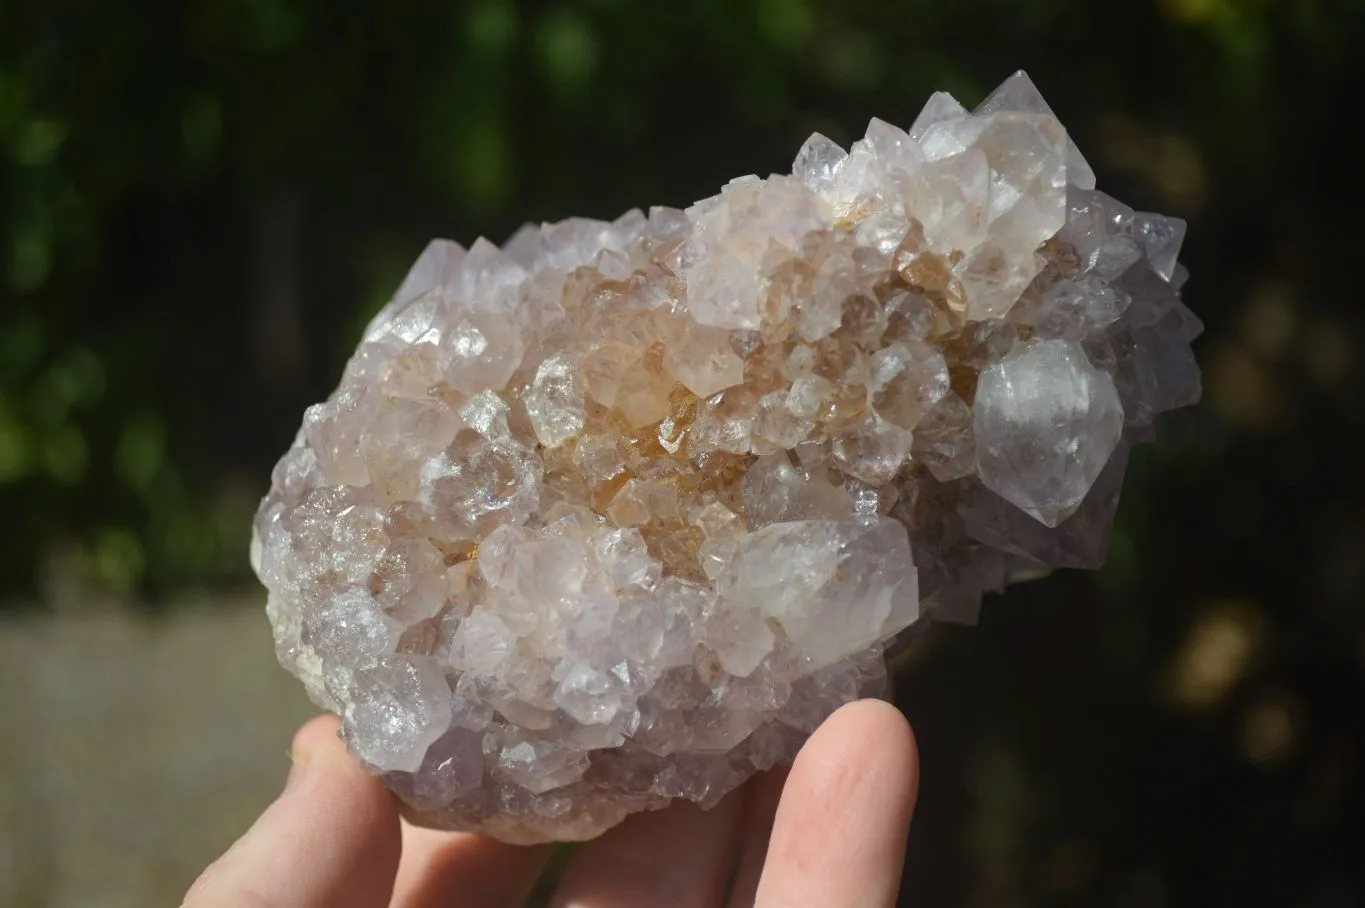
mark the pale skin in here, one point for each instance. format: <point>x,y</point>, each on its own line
<point>831,833</point>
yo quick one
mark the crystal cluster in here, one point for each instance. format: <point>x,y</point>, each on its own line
<point>619,512</point>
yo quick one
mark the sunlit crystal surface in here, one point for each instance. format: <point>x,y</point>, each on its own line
<point>620,512</point>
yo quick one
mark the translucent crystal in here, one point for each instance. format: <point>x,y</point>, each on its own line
<point>395,710</point>
<point>1046,423</point>
<point>554,402</point>
<point>620,512</point>
<point>818,162</point>
<point>1020,94</point>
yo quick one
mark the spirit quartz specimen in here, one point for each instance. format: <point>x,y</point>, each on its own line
<point>619,512</point>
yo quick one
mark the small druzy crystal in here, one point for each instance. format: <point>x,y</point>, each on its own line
<point>619,512</point>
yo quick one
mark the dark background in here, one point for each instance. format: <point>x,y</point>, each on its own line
<point>202,201</point>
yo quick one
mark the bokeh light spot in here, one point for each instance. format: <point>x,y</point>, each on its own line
<point>492,26</point>
<point>1192,12</point>
<point>65,455</point>
<point>39,140</point>
<point>140,452</point>
<point>117,559</point>
<point>1168,162</point>
<point>30,259</point>
<point>1241,389</point>
<point>1269,730</point>
<point>787,24</point>
<point>1269,322</point>
<point>14,445</point>
<point>1219,648</point>
<point>567,49</point>
<point>852,60</point>
<point>482,166</point>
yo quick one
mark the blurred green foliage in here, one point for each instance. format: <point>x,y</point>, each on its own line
<point>202,202</point>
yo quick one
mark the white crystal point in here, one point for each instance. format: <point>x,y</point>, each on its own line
<point>621,512</point>
<point>817,164</point>
<point>434,268</point>
<point>908,379</point>
<point>940,107</point>
<point>1020,94</point>
<point>1046,422</point>
<point>351,629</point>
<point>833,587</point>
<point>397,709</point>
<point>1162,238</point>
<point>777,491</point>
<point>731,236</point>
<point>554,402</point>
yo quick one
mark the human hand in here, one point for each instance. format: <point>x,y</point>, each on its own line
<point>831,833</point>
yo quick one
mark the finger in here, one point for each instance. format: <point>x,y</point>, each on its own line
<point>760,806</point>
<point>330,840</point>
<point>679,857</point>
<point>839,836</point>
<point>440,869</point>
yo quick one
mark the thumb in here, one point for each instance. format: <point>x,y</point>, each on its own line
<point>331,839</point>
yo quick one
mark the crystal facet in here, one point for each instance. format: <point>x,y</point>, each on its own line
<point>619,513</point>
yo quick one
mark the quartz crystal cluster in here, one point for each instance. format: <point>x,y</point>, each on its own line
<point>619,512</point>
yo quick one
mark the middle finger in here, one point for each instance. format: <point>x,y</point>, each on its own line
<point>679,857</point>
<point>441,869</point>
